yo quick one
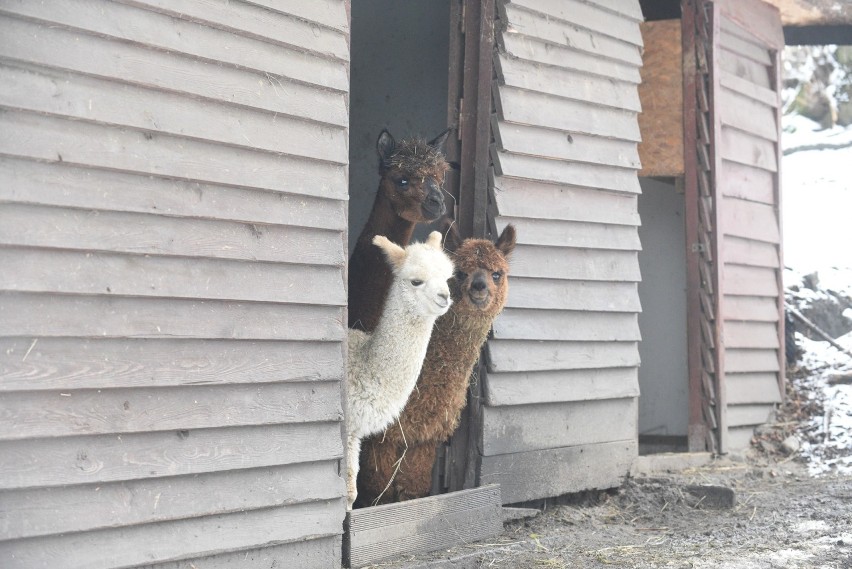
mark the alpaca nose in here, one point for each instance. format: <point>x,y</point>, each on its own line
<point>478,284</point>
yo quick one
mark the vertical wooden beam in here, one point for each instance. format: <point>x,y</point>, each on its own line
<point>779,273</point>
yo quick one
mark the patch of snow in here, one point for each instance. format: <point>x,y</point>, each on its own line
<point>811,525</point>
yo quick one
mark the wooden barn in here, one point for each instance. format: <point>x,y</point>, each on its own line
<point>180,183</point>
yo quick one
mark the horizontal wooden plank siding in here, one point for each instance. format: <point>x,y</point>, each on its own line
<point>173,216</point>
<point>564,353</point>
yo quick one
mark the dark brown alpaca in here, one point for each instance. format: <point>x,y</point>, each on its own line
<point>410,192</point>
<point>479,290</point>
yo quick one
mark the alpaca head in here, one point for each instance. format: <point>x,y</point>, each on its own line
<point>421,271</point>
<point>413,176</point>
<point>480,284</point>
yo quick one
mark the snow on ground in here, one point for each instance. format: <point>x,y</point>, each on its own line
<point>817,226</point>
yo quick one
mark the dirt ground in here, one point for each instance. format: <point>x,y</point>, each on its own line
<point>773,516</point>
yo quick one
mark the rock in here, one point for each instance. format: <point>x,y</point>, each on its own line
<point>791,445</point>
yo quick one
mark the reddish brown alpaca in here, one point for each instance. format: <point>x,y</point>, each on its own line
<point>410,192</point>
<point>479,290</point>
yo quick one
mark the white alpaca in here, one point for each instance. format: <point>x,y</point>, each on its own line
<point>383,366</point>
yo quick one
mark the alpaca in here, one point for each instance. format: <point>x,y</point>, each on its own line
<point>397,465</point>
<point>383,366</point>
<point>410,192</point>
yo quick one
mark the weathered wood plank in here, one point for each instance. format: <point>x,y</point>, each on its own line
<point>43,316</point>
<point>748,252</point>
<point>517,429</point>
<point>749,281</point>
<point>745,68</point>
<point>177,539</point>
<point>555,233</point>
<point>745,388</point>
<point>574,295</point>
<point>739,438</point>
<point>61,140</point>
<point>575,264</point>
<point>745,114</point>
<point>761,309</point>
<point>62,364</point>
<point>258,22</point>
<point>563,385</point>
<point>538,200</point>
<point>568,84</point>
<point>561,33</point>
<point>565,57</point>
<point>101,101</point>
<point>751,335</point>
<point>134,456</point>
<point>750,220</point>
<point>569,173</point>
<point>748,89</point>
<point>574,147</point>
<point>254,74</point>
<point>758,22</point>
<point>747,183</point>
<point>38,414</point>
<point>47,511</point>
<point>72,272</point>
<point>314,553</point>
<point>60,184</point>
<point>741,147</point>
<point>423,525</point>
<point>730,39</point>
<point>526,355</point>
<point>526,324</point>
<point>630,9</point>
<point>328,13</point>
<point>546,111</point>
<point>588,16</point>
<point>145,234</point>
<point>747,361</point>
<point>553,472</point>
<point>742,415</point>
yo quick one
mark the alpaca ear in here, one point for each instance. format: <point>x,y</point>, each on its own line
<point>506,242</point>
<point>439,141</point>
<point>385,146</point>
<point>434,240</point>
<point>452,239</point>
<point>394,253</point>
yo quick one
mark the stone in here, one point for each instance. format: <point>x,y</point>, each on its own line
<point>791,445</point>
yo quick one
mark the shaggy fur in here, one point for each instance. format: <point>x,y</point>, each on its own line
<point>410,192</point>
<point>479,290</point>
<point>383,366</point>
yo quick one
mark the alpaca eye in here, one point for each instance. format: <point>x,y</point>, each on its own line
<point>496,277</point>
<point>416,282</point>
<point>460,276</point>
<point>402,183</point>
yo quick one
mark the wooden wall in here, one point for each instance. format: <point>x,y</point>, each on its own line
<point>173,183</point>
<point>746,100</point>
<point>560,397</point>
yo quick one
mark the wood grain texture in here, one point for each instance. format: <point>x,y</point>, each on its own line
<point>47,511</point>
<point>573,295</point>
<point>747,182</point>
<point>147,234</point>
<point>121,317</point>
<point>748,89</point>
<point>565,57</point>
<point>588,16</point>
<point>743,113</point>
<point>181,36</point>
<point>750,220</point>
<point>751,335</point>
<point>567,173</point>
<point>61,140</point>
<point>744,148</point>
<point>748,361</point>
<point>569,84</point>
<point>134,456</point>
<point>755,308</point>
<point>64,185</point>
<point>102,101</point>
<point>553,472</point>
<point>740,251</point>
<point>525,388</point>
<point>525,428</point>
<point>90,273</point>
<point>556,233</point>
<point>423,525</point>
<point>60,364</point>
<point>526,324</point>
<point>743,415</point>
<point>630,10</point>
<point>746,388</point>
<point>527,355</point>
<point>173,540</point>
<point>750,281</point>
<point>546,111</point>
<point>744,68</point>
<point>38,414</point>
<point>539,200</point>
<point>575,264</point>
